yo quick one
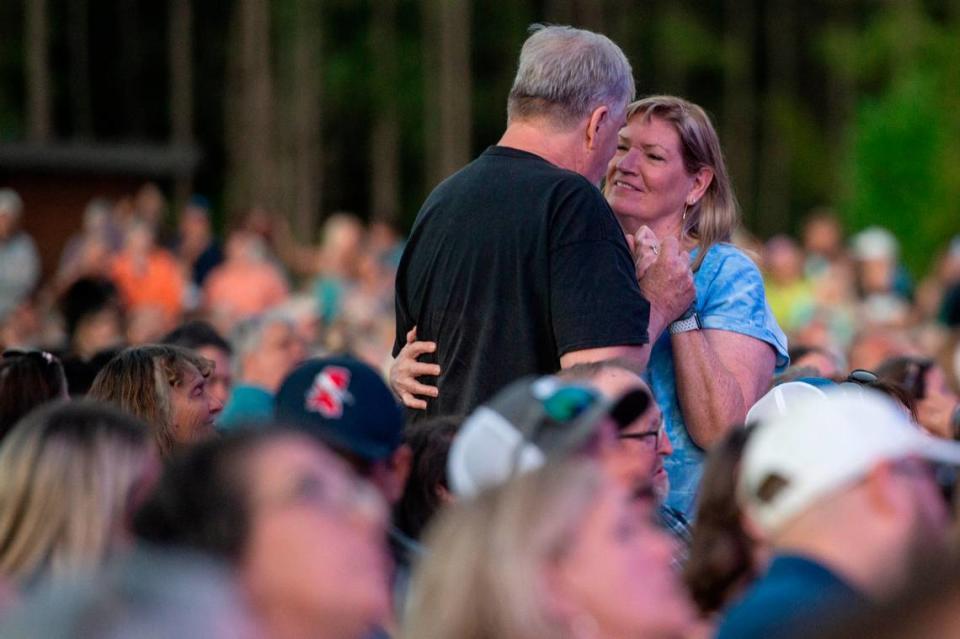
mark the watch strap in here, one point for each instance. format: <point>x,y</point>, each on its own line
<point>684,324</point>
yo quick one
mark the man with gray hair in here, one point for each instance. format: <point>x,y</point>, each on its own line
<point>19,262</point>
<point>266,349</point>
<point>515,264</point>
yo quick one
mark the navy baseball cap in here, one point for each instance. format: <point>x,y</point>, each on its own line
<point>343,402</point>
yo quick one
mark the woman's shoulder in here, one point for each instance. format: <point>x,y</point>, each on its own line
<point>724,261</point>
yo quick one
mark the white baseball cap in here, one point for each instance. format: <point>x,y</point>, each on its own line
<point>823,444</point>
<point>780,399</point>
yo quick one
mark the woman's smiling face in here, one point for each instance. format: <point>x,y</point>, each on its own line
<point>647,182</point>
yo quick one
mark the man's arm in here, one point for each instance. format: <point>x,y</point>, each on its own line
<point>638,355</point>
<point>667,283</point>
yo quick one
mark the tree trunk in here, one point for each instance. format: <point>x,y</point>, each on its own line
<point>739,101</point>
<point>559,11</point>
<point>841,99</point>
<point>130,67</point>
<point>447,54</point>
<point>181,87</point>
<point>590,14</point>
<point>385,139</point>
<point>37,71</point>
<point>671,73</point>
<point>249,110</point>
<point>306,95</point>
<point>79,28</point>
<point>773,213</point>
<point>583,14</point>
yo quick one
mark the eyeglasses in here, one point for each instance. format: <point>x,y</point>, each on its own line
<point>332,495</point>
<point>655,437</point>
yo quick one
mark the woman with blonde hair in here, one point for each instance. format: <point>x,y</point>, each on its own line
<point>668,186</point>
<point>165,386</point>
<point>70,475</point>
<point>561,553</point>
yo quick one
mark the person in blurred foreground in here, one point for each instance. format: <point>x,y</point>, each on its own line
<point>559,552</point>
<point>844,489</point>
<point>304,536</point>
<point>347,406</point>
<point>70,473</point>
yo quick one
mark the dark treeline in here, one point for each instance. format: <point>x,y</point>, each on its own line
<point>310,107</point>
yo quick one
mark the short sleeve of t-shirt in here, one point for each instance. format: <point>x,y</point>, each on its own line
<point>595,300</point>
<point>736,300</point>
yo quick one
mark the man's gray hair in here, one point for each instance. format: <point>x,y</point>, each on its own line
<point>248,334</point>
<point>10,202</point>
<point>565,73</point>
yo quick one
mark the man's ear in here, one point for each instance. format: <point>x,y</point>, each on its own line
<point>598,118</point>
<point>882,489</point>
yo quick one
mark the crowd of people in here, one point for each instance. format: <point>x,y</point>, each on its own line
<point>579,401</point>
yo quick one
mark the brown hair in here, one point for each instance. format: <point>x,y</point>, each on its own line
<point>721,552</point>
<point>27,379</point>
<point>714,217</point>
<point>139,379</point>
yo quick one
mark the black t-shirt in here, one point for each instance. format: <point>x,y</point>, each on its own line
<point>511,263</point>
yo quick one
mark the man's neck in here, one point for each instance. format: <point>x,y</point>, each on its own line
<point>869,568</point>
<point>555,146</point>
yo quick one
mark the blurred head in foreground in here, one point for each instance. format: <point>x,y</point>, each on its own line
<point>557,552</point>
<point>69,475</point>
<point>304,535</point>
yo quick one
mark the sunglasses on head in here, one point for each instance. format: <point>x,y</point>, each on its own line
<point>862,376</point>
<point>43,356</point>
<point>569,402</point>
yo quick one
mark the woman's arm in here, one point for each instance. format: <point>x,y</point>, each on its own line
<point>406,369</point>
<point>719,376</point>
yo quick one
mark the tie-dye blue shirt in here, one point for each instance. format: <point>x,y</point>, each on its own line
<point>730,297</point>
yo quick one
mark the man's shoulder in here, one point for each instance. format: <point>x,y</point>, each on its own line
<point>792,591</point>
<point>513,165</point>
<point>507,186</point>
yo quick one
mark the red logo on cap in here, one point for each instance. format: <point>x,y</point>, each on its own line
<point>329,392</point>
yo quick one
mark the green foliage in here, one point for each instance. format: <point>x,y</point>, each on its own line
<point>903,163</point>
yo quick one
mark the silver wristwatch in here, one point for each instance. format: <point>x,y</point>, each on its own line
<point>689,322</point>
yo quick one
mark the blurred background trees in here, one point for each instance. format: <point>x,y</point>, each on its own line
<point>311,106</point>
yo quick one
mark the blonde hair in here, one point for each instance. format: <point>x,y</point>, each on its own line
<point>138,380</point>
<point>715,216</point>
<point>483,576</point>
<point>67,477</point>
